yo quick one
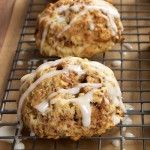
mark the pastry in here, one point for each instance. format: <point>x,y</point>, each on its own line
<point>82,28</point>
<point>70,97</point>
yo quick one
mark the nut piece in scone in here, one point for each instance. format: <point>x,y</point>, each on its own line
<point>82,28</point>
<point>70,97</point>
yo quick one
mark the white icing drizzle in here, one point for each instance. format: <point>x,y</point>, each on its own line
<point>124,54</point>
<point>19,146</point>
<point>40,68</point>
<point>110,14</point>
<point>76,8</point>
<point>91,26</point>
<point>116,143</point>
<point>38,81</point>
<point>61,19</point>
<point>19,63</point>
<point>127,120</point>
<point>83,101</point>
<point>7,131</point>
<point>20,127</point>
<point>32,133</point>
<point>99,66</point>
<point>111,84</point>
<point>128,46</point>
<point>129,134</point>
<point>129,107</point>
<point>72,22</point>
<point>124,129</point>
<point>76,68</point>
<point>25,77</point>
<point>44,34</point>
<point>75,90</point>
<point>116,63</point>
<point>43,106</point>
<point>62,8</point>
<point>33,86</point>
<point>84,104</point>
<point>115,119</point>
<point>49,64</point>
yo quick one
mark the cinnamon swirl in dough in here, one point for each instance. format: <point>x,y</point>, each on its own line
<point>81,28</point>
<point>70,97</point>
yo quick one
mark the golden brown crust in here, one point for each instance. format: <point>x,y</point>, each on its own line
<point>81,39</point>
<point>64,119</point>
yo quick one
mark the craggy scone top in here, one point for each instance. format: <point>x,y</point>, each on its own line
<point>81,28</point>
<point>70,97</point>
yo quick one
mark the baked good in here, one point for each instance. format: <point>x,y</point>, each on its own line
<point>82,28</point>
<point>70,97</point>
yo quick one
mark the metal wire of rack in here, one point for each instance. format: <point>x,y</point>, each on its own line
<point>133,76</point>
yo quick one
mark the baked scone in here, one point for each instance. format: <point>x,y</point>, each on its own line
<point>82,28</point>
<point>70,97</point>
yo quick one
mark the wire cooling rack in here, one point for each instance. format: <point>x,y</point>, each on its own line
<point>133,75</point>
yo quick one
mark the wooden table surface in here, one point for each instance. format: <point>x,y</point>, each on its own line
<point>6,8</point>
<point>12,14</point>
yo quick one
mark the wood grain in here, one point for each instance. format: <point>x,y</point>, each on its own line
<point>11,39</point>
<point>6,8</point>
<point>6,55</point>
<point>10,29</point>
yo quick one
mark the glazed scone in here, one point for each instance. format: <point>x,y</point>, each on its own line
<point>70,97</point>
<point>82,28</point>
